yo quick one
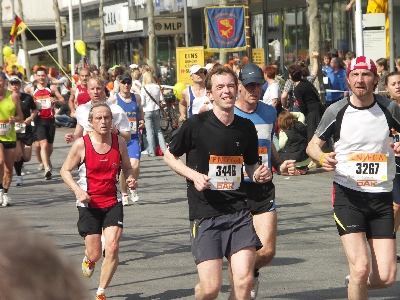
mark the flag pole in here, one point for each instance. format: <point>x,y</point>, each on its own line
<point>69,78</point>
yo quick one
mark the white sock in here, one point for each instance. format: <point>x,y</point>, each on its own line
<point>100,290</point>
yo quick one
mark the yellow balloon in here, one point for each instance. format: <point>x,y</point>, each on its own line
<point>7,51</point>
<point>80,47</point>
<point>178,88</point>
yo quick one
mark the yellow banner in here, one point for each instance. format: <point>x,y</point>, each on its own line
<point>185,58</point>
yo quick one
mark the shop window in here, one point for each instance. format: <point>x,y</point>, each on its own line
<point>340,28</point>
<point>289,37</point>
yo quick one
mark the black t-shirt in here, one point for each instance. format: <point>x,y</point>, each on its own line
<point>27,105</point>
<point>203,135</point>
<point>307,97</point>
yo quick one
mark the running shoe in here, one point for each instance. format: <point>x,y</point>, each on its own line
<point>347,281</point>
<point>102,296</point>
<point>6,200</point>
<point>88,267</point>
<point>24,171</point>
<point>19,181</point>
<point>47,173</point>
<point>254,288</point>
<point>125,199</point>
<point>40,167</point>
<point>1,196</point>
<point>134,196</point>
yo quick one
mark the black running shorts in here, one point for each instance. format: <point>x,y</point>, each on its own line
<point>356,211</point>
<point>260,197</point>
<point>216,237</point>
<point>9,145</point>
<point>45,129</point>
<point>93,220</point>
<point>25,138</point>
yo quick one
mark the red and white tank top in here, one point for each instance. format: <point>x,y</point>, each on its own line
<point>42,98</point>
<point>98,174</point>
<point>81,95</point>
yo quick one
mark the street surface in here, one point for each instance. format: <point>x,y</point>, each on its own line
<point>155,258</point>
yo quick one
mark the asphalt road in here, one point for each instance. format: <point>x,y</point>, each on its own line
<point>155,257</point>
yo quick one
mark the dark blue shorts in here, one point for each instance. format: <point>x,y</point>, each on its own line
<point>134,148</point>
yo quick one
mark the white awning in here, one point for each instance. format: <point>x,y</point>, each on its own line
<point>48,48</point>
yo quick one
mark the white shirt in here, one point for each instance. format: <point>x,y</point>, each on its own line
<point>120,120</point>
<point>273,91</point>
<point>147,103</point>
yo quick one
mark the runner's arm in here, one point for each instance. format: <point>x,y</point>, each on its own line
<point>141,112</point>
<point>126,165</point>
<point>112,99</point>
<point>75,156</point>
<point>59,99</point>
<point>326,160</point>
<point>258,173</point>
<point>70,137</point>
<point>71,102</point>
<point>183,103</point>
<point>201,181</point>
<point>19,117</point>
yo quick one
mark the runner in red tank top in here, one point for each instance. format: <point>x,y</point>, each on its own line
<point>79,94</point>
<point>45,96</point>
<point>100,155</point>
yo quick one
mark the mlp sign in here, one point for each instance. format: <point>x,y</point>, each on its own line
<point>169,26</point>
<point>187,57</point>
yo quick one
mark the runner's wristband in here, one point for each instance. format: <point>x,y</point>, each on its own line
<point>322,158</point>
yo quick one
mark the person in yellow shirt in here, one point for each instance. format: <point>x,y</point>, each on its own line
<point>10,113</point>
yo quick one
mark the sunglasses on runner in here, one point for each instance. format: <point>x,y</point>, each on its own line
<point>128,82</point>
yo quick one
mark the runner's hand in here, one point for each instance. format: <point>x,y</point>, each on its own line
<point>262,174</point>
<point>69,138</point>
<point>396,147</point>
<point>82,196</point>
<point>131,183</point>
<point>201,182</point>
<point>11,119</point>
<point>288,167</point>
<point>329,162</point>
<point>182,118</point>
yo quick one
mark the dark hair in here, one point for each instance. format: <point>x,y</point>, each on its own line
<point>219,70</point>
<point>295,72</point>
<point>40,69</point>
<point>383,63</point>
<point>390,75</point>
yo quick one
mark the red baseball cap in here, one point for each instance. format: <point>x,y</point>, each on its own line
<point>367,64</point>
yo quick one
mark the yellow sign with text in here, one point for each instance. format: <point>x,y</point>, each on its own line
<point>187,57</point>
<point>258,56</point>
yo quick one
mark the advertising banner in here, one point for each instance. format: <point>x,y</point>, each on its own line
<point>185,58</point>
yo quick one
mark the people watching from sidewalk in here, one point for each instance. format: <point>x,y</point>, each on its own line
<point>383,70</point>
<point>45,96</point>
<point>336,81</point>
<point>364,163</point>
<point>10,113</point>
<point>272,95</point>
<point>79,93</point>
<point>194,97</point>
<point>63,83</point>
<point>99,155</point>
<point>326,63</point>
<point>261,197</point>
<point>216,144</point>
<point>348,58</point>
<point>397,63</point>
<point>132,106</point>
<point>152,99</point>
<point>293,139</point>
<point>288,97</point>
<point>307,99</point>
<point>23,150</point>
<point>63,117</point>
